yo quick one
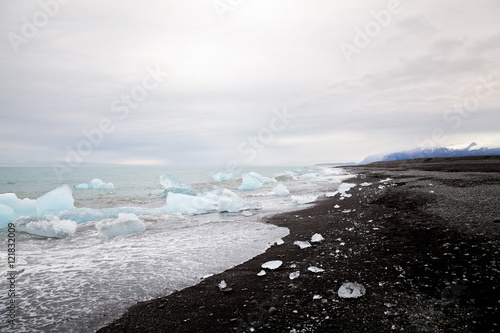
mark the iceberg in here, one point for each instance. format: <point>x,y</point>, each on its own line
<point>188,204</point>
<point>249,182</point>
<point>281,191</point>
<point>303,199</point>
<point>46,226</point>
<point>220,176</point>
<point>55,201</point>
<point>95,183</point>
<point>230,202</point>
<point>172,185</point>
<point>125,224</point>
<point>264,180</point>
<point>351,290</point>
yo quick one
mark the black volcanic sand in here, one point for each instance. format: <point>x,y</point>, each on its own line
<point>425,246</point>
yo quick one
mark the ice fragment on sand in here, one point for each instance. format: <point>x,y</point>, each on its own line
<point>336,206</point>
<point>365,184</point>
<point>221,176</point>
<point>303,199</point>
<point>351,290</point>
<point>294,275</point>
<point>222,285</point>
<point>46,226</point>
<point>316,238</point>
<point>95,184</point>
<point>317,297</point>
<point>281,191</point>
<point>172,185</point>
<point>55,201</point>
<point>315,269</point>
<point>302,244</point>
<point>125,224</point>
<point>188,204</point>
<point>261,273</point>
<point>273,264</point>
<point>344,188</point>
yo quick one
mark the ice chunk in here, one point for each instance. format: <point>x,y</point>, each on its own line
<point>82,215</point>
<point>294,275</point>
<point>230,202</point>
<point>46,226</point>
<point>221,176</point>
<point>264,180</point>
<point>261,273</point>
<point>302,244</point>
<point>344,188</point>
<point>222,285</point>
<point>303,199</point>
<point>331,194</point>
<point>281,191</point>
<point>55,201</point>
<point>25,206</point>
<point>315,269</point>
<point>188,204</point>
<point>351,290</point>
<point>249,183</point>
<point>273,264</point>
<point>172,185</point>
<point>96,184</point>
<point>316,238</point>
<point>7,214</point>
<point>125,224</point>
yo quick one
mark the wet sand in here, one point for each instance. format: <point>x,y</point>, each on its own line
<point>425,245</point>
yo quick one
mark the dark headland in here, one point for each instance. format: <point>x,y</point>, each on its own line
<point>425,245</point>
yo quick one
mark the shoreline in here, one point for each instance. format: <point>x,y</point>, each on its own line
<point>425,266</point>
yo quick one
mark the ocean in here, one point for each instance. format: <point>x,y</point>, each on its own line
<point>80,283</point>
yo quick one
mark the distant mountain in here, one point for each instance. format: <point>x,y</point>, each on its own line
<point>471,150</point>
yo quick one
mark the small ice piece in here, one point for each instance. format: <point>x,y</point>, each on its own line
<point>316,238</point>
<point>344,188</point>
<point>317,297</point>
<point>331,194</point>
<point>279,242</point>
<point>302,244</point>
<point>188,204</point>
<point>125,224</point>
<point>386,180</point>
<point>261,273</point>
<point>303,199</point>
<point>336,206</point>
<point>222,285</point>
<point>294,275</point>
<point>365,184</point>
<point>281,191</point>
<point>46,226</point>
<point>315,269</point>
<point>273,264</point>
<point>55,201</point>
<point>221,176</point>
<point>172,185</point>
<point>351,290</point>
<point>249,183</point>
<point>230,202</point>
<point>95,184</point>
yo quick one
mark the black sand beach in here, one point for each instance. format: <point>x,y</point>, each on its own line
<point>425,245</point>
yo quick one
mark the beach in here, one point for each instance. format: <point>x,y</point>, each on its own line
<point>420,236</point>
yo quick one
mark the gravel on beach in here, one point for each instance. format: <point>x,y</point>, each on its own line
<point>414,249</point>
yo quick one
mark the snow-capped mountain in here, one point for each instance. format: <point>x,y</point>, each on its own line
<point>473,149</point>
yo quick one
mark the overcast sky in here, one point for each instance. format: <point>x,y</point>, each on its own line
<point>185,82</point>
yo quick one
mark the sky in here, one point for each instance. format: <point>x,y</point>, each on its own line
<point>214,82</point>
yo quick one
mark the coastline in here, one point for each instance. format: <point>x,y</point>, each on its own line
<point>426,254</point>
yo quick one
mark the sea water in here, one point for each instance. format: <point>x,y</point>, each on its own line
<point>80,283</point>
